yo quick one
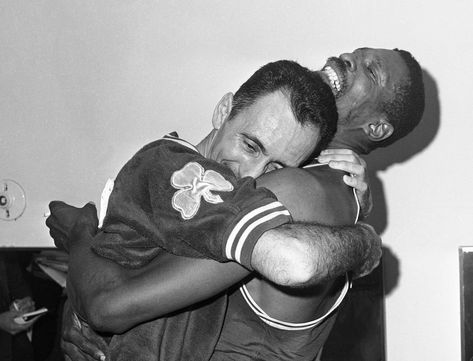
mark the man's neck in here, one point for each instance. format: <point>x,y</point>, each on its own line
<point>205,144</point>
<point>340,142</point>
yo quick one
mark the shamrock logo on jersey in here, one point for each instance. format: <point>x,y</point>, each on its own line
<point>194,182</point>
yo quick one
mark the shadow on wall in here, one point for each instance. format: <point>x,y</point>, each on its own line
<point>400,152</point>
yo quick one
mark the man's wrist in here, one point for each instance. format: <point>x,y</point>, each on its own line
<point>371,250</point>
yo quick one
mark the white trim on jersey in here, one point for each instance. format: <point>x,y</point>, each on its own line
<point>250,221</point>
<point>108,188</point>
<point>106,192</point>
<point>243,230</point>
<point>358,206</point>
<point>180,141</point>
<point>291,326</point>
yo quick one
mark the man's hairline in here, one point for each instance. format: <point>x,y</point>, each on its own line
<point>286,92</point>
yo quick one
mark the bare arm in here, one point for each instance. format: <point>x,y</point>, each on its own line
<point>300,254</point>
<point>308,254</point>
<point>112,298</point>
<point>293,255</point>
<point>116,299</point>
<point>350,162</point>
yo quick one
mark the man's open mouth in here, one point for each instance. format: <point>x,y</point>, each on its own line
<point>335,70</point>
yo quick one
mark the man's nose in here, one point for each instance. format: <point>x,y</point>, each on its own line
<point>349,60</point>
<point>253,169</point>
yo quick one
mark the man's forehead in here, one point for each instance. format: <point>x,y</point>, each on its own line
<point>270,122</point>
<point>382,52</point>
<point>391,62</point>
<point>292,147</point>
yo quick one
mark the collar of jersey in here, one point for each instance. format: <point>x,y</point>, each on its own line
<point>175,138</point>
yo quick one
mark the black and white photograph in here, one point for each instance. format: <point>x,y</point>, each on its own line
<point>236,180</point>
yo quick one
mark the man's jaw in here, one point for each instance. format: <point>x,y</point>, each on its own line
<point>335,75</point>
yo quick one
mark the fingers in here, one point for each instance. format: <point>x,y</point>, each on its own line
<point>71,352</point>
<point>350,162</point>
<point>63,218</point>
<point>331,151</point>
<point>90,212</point>
<point>80,342</point>
<point>373,251</point>
<point>58,236</point>
<point>25,304</point>
<point>339,155</point>
<point>345,160</point>
<point>90,207</point>
<point>53,205</point>
<point>52,222</point>
<point>366,270</point>
<point>355,182</point>
<point>17,328</point>
<point>59,208</point>
<point>356,169</point>
<point>96,344</point>
<point>78,346</point>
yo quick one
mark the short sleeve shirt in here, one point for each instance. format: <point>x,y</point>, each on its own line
<point>169,197</point>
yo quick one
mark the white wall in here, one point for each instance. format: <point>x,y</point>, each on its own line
<point>83,84</point>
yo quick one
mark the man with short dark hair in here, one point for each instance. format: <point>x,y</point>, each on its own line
<point>356,334</point>
<point>266,321</point>
<point>368,85</point>
<point>244,145</point>
<point>188,201</point>
<point>361,81</point>
<point>391,90</point>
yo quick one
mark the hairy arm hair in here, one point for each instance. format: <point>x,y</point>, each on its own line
<point>306,254</point>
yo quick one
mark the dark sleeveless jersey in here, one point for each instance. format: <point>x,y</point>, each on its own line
<point>249,333</point>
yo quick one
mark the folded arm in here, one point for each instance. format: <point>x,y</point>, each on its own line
<point>112,298</point>
<point>167,284</point>
<point>304,254</point>
<point>291,255</point>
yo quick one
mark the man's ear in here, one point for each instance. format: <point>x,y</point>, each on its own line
<point>222,110</point>
<point>379,130</point>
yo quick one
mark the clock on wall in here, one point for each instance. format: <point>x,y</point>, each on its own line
<point>12,200</point>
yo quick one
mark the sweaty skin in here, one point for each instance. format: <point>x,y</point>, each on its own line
<point>101,288</point>
<point>106,305</point>
<point>362,73</point>
<point>315,195</point>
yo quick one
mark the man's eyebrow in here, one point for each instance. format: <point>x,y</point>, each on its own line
<point>257,141</point>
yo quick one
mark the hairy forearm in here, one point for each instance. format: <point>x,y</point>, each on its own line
<point>305,254</point>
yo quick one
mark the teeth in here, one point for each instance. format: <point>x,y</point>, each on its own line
<point>333,77</point>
